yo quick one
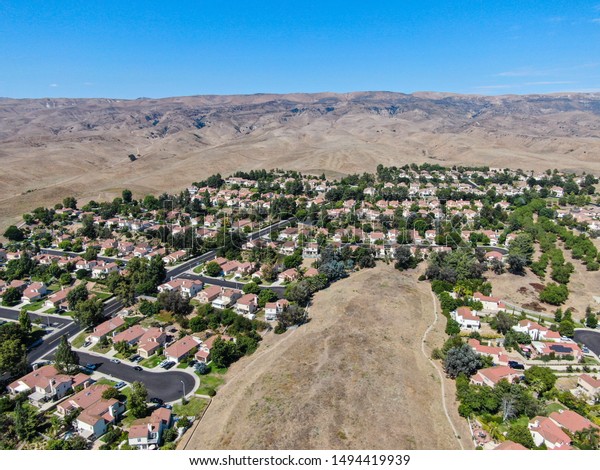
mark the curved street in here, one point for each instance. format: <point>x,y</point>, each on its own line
<point>590,338</point>
<point>162,384</point>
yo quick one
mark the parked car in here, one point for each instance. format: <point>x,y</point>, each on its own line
<point>115,361</point>
<point>139,359</point>
<point>120,385</point>
<point>134,358</point>
<point>156,400</point>
<point>169,364</point>
<point>86,344</point>
<point>138,368</point>
<point>91,366</point>
<point>516,365</point>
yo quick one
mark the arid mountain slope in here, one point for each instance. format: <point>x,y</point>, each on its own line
<point>56,147</point>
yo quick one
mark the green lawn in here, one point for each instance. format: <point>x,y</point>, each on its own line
<point>98,349</point>
<point>199,269</point>
<point>105,381</point>
<point>54,287</point>
<point>523,420</point>
<point>589,360</point>
<point>164,317</point>
<point>102,295</point>
<point>552,407</point>
<point>183,365</point>
<point>35,305</point>
<point>209,382</point>
<point>193,408</point>
<point>79,340</point>
<point>52,310</point>
<point>152,361</point>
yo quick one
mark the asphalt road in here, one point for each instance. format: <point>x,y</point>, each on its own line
<point>590,338</point>
<point>164,384</point>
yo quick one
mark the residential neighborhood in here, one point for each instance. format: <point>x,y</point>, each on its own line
<point>192,289</point>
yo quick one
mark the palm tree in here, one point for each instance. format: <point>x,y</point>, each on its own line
<point>587,438</point>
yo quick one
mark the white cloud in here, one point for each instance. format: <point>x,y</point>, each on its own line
<point>494,87</point>
<point>53,85</point>
<point>549,83</point>
<point>595,20</point>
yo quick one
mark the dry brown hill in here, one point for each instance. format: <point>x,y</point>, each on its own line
<point>50,148</point>
<point>354,377</point>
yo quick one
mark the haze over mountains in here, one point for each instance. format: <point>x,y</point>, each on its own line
<point>51,148</point>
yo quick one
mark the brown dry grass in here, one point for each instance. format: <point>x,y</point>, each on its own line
<point>352,378</point>
<point>79,147</point>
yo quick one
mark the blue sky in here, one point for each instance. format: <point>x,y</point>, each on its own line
<point>129,49</point>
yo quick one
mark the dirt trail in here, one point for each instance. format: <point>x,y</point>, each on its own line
<point>353,378</point>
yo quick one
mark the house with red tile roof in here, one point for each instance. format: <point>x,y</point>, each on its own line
<point>536,331</point>
<point>209,294</point>
<point>490,304</point>
<point>45,384</point>
<point>466,319</point>
<point>510,445</point>
<point>227,298</point>
<point>182,348</point>
<point>93,421</point>
<point>545,431</point>
<point>190,287</point>
<point>558,349</point>
<point>490,376</point>
<point>105,329</point>
<point>203,353</point>
<point>273,309</point>
<point>498,355</point>
<point>230,267</point>
<point>58,299</point>
<point>590,386</point>
<point>288,275</point>
<point>152,340</point>
<point>247,304</point>
<point>34,292</point>
<point>146,433</point>
<point>131,335</point>
<point>571,421</point>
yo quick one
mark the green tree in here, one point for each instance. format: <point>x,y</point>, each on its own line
<point>127,196</point>
<point>109,393</point>
<point>12,296</point>
<point>13,357</point>
<point>25,321</point>
<point>66,360</point>
<point>70,203</point>
<point>520,434</point>
<point>137,400</point>
<point>265,296</point>
<point>251,288</point>
<point>26,421</point>
<point>14,234</point>
<point>77,294</point>
<point>461,360</point>
<point>404,258</point>
<point>503,322</point>
<point>89,313</point>
<point>522,245</point>
<point>554,294</point>
<point>540,379</point>
<point>224,353</point>
<point>212,269</point>
<point>566,328</point>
